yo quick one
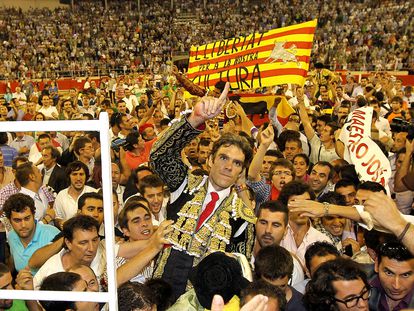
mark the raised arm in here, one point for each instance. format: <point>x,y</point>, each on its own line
<point>40,256</point>
<point>135,265</point>
<point>404,169</point>
<point>339,145</point>
<point>266,138</point>
<point>385,212</point>
<point>208,108</point>
<point>148,114</point>
<point>273,115</point>
<point>165,157</point>
<point>307,126</point>
<point>315,209</point>
<point>171,106</point>
<point>247,124</point>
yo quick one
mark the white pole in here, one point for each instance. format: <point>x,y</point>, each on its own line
<point>108,210</point>
<point>101,125</point>
<point>54,295</point>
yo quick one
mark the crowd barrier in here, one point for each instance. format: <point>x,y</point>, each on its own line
<point>100,125</point>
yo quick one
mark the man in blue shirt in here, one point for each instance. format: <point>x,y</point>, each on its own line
<point>27,235</point>
<point>9,153</point>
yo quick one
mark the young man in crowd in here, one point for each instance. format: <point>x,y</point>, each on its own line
<point>271,227</point>
<point>151,187</point>
<point>338,284</point>
<point>30,180</point>
<point>393,285</point>
<point>135,221</point>
<point>316,254</point>
<point>300,232</point>
<point>320,178</point>
<point>28,235</point>
<point>278,274</point>
<point>323,147</point>
<point>347,189</point>
<point>66,201</point>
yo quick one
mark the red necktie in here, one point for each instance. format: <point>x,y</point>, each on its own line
<point>208,209</point>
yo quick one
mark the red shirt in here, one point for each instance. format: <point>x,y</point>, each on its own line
<point>134,160</point>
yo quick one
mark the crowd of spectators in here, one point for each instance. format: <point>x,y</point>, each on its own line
<point>354,35</point>
<point>50,194</point>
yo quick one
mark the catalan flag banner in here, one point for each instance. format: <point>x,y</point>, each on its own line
<point>261,59</point>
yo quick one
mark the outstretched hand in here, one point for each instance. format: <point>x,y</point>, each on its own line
<point>384,211</point>
<point>24,279</point>
<point>267,136</point>
<point>159,238</point>
<point>258,303</point>
<point>208,108</point>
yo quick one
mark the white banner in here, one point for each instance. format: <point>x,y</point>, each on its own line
<point>370,162</point>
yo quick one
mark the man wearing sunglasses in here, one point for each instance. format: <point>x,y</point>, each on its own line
<point>393,286</point>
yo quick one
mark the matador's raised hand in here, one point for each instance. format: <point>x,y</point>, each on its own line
<point>208,108</point>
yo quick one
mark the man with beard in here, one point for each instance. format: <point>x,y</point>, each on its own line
<point>66,200</point>
<point>320,177</point>
<point>271,227</point>
<point>300,233</point>
<point>27,235</point>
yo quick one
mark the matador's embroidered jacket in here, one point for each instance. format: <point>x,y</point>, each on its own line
<point>229,229</point>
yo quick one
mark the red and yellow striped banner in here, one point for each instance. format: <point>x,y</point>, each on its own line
<point>261,59</point>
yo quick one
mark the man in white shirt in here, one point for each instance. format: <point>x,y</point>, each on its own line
<point>19,94</point>
<point>22,143</point>
<point>119,189</point>
<point>381,123</point>
<point>49,111</point>
<point>294,100</point>
<point>130,100</point>
<point>83,247</point>
<point>85,152</point>
<point>30,180</point>
<point>300,233</point>
<point>323,147</point>
<point>66,201</point>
